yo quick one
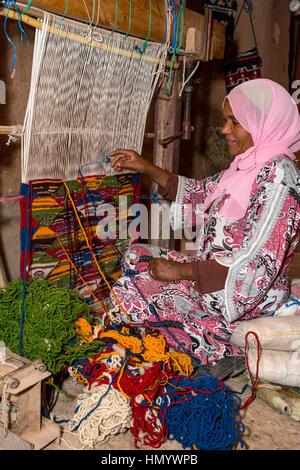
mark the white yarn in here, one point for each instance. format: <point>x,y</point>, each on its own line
<point>189,77</point>
<point>111,417</point>
<point>38,52</point>
<point>15,134</point>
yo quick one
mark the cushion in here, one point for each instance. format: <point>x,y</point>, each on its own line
<point>281,333</point>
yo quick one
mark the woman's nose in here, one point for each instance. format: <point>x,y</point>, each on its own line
<point>226,129</point>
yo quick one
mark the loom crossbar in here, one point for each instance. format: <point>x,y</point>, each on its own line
<point>140,15</point>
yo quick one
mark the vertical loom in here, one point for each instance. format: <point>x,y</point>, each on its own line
<point>90,92</point>
<point>91,87</point>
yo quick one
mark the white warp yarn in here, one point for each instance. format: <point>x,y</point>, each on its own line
<point>85,101</point>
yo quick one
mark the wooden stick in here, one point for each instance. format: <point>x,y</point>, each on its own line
<point>103,14</point>
<point>6,129</point>
<point>13,15</point>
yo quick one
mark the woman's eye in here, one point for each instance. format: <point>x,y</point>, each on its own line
<point>235,123</point>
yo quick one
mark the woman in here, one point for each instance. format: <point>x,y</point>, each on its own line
<point>251,218</point>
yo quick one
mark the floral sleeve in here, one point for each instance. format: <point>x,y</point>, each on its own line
<point>187,210</point>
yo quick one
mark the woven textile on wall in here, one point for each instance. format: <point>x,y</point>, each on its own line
<point>55,244</point>
<point>246,66</point>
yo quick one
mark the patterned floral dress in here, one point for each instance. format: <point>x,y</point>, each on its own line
<point>257,249</point>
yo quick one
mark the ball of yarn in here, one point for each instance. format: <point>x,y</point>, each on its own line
<point>200,414</point>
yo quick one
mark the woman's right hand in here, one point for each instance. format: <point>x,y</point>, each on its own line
<point>128,160</point>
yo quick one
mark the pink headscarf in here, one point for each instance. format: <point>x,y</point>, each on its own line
<point>268,112</point>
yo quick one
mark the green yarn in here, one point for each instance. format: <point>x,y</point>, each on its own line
<point>49,325</point>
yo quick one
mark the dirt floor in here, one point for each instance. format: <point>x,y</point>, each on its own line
<point>265,428</point>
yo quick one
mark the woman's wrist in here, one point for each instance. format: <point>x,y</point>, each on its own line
<point>157,174</point>
<point>187,271</point>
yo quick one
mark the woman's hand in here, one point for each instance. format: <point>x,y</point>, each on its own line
<point>128,160</point>
<point>164,270</point>
<point>131,160</point>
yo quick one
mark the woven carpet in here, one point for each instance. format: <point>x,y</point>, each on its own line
<point>59,237</point>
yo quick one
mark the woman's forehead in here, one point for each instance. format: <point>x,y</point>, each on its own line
<point>227,110</point>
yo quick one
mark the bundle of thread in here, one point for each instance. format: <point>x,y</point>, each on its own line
<point>160,398</point>
<point>136,366</point>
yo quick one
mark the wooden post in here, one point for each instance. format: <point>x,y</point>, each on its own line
<point>167,133</point>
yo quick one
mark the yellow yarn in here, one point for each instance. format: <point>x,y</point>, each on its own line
<point>152,349</point>
<point>181,362</point>
<point>133,344</point>
<point>85,329</point>
<point>155,349</point>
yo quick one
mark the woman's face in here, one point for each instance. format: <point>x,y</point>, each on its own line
<point>237,138</point>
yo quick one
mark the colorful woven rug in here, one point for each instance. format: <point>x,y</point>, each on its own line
<point>246,66</point>
<point>60,242</point>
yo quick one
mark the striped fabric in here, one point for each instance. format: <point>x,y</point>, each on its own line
<point>58,232</point>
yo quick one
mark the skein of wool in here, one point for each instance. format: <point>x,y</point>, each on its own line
<point>201,413</point>
<point>101,414</point>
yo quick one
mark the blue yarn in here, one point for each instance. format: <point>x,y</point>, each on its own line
<point>19,22</point>
<point>154,197</point>
<point>294,302</point>
<point>100,399</point>
<point>57,421</point>
<point>7,5</point>
<point>205,420</point>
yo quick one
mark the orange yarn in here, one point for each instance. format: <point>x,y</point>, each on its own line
<point>85,329</point>
<point>132,343</point>
<point>151,348</point>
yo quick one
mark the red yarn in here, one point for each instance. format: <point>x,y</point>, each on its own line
<point>147,428</point>
<point>254,383</point>
<point>134,386</point>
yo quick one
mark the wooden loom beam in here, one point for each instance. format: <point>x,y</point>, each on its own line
<point>140,18</point>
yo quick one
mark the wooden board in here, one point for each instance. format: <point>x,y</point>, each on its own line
<point>140,18</point>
